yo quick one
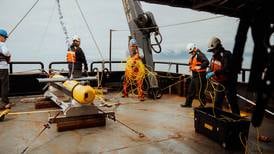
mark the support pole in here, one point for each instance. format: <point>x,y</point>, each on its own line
<point>110,48</point>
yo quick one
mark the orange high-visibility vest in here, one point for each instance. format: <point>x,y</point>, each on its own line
<point>194,62</point>
<point>71,57</point>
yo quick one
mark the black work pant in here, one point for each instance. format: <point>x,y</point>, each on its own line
<point>229,90</point>
<point>76,73</point>
<point>4,81</point>
<point>197,85</point>
<point>75,70</point>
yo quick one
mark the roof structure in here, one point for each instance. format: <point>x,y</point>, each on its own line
<point>233,8</point>
<point>257,15</point>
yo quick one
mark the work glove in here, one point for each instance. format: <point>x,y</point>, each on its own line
<point>197,67</point>
<point>209,75</point>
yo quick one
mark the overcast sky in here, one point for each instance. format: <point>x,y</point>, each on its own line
<point>40,37</point>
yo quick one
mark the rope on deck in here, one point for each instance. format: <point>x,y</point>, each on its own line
<point>33,112</point>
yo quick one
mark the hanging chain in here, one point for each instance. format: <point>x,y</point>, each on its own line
<point>62,23</point>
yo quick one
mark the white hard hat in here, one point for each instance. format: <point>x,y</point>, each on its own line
<point>190,47</point>
<point>76,38</point>
<point>213,42</point>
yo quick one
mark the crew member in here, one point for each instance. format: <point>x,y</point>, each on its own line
<point>220,73</point>
<point>4,73</point>
<point>197,64</point>
<point>135,71</point>
<point>76,57</point>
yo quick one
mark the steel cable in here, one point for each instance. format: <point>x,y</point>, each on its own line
<point>89,29</point>
<point>23,18</point>
<point>176,24</point>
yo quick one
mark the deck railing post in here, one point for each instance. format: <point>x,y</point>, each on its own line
<point>243,75</point>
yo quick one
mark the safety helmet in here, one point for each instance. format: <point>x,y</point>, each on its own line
<point>190,47</point>
<point>3,33</point>
<point>76,38</point>
<point>213,43</point>
<point>132,42</point>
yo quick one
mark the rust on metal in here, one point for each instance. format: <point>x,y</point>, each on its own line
<point>45,104</point>
<point>71,123</point>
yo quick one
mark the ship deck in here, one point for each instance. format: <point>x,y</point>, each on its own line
<point>167,127</point>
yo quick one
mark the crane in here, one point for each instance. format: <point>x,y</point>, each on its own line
<point>142,26</point>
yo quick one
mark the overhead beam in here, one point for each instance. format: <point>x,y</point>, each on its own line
<point>202,3</point>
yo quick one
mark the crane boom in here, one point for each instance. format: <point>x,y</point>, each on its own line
<point>142,25</point>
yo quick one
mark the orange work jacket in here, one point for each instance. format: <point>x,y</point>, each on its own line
<point>194,62</point>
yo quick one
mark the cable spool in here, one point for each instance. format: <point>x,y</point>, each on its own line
<point>83,94</point>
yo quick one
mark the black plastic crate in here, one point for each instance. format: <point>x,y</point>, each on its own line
<point>226,128</point>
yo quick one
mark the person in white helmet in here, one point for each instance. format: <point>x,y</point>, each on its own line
<point>76,58</point>
<point>4,73</point>
<point>198,64</point>
<point>220,72</point>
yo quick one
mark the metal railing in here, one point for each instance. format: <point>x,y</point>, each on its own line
<point>26,63</point>
<point>171,63</point>
<point>54,63</point>
<point>104,63</point>
<point>243,72</point>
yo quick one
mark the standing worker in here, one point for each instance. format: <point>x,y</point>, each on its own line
<point>76,58</point>
<point>4,73</point>
<point>197,64</point>
<point>135,71</point>
<point>220,72</point>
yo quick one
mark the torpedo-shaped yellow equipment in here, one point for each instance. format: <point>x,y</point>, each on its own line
<point>76,102</point>
<point>83,94</point>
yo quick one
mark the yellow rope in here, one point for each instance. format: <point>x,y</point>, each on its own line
<point>244,145</point>
<point>200,89</point>
<point>257,139</point>
<point>31,112</point>
<point>212,93</point>
<point>135,71</point>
